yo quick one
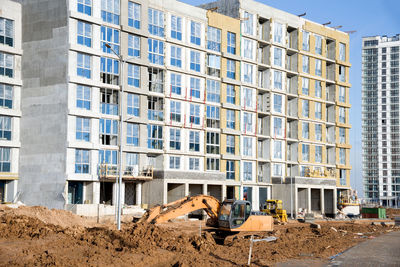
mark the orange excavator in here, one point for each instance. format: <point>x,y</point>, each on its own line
<point>230,215</point>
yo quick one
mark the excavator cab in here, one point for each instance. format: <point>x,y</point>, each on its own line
<point>234,213</point>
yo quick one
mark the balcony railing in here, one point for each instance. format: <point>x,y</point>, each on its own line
<point>110,172</point>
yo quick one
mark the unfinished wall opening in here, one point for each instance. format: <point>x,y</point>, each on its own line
<point>302,198</point>
<point>328,202</point>
<point>316,200</point>
<point>230,192</point>
<point>194,190</point>
<point>175,192</point>
<point>248,193</point>
<point>75,192</point>
<point>2,191</point>
<point>263,195</point>
<point>130,193</point>
<point>215,191</point>
<point>106,193</point>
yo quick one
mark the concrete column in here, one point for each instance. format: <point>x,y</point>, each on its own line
<point>122,194</point>
<point>309,199</point>
<point>269,193</point>
<point>223,193</point>
<point>96,193</point>
<point>186,189</point>
<point>334,201</point>
<point>139,193</point>
<point>165,193</point>
<point>295,201</point>
<point>322,201</point>
<point>204,189</point>
<point>115,193</point>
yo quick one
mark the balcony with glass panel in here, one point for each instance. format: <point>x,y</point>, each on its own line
<point>110,172</point>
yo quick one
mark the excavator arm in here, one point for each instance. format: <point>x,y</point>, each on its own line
<point>183,206</point>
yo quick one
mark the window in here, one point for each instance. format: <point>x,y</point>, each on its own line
<point>230,170</point>
<point>213,91</point>
<point>110,11</point>
<point>278,32</point>
<point>82,129</point>
<point>175,111</point>
<point>277,103</point>
<point>248,48</point>
<point>156,22</point>
<point>194,60</point>
<point>318,132</point>
<point>318,89</point>
<point>342,74</point>
<point>305,108</point>
<point>212,143</point>
<point>195,33</point>
<point>134,10</point>
<point>176,27</point>
<point>213,65</point>
<point>155,108</point>
<point>195,114</point>
<point>230,94</point>
<point>278,127</point>
<point>194,141</point>
<point>109,101</point>
<point>154,136</point>
<point>231,43</point>
<point>108,157</point>
<point>84,34</point>
<point>342,135</point>
<point>5,159</point>
<point>156,80</point>
<point>133,45</point>
<point>82,97</point>
<point>342,94</point>
<point>132,163</point>
<point>230,144</point>
<point>277,56</point>
<point>248,122</point>
<point>305,152</point>
<point>174,162</point>
<point>306,41</point>
<point>214,39</point>
<point>247,146</point>
<point>194,87</point>
<point>277,149</point>
<point>318,44</point>
<point>156,51</point>
<point>132,134</point>
<point>342,115</point>
<point>212,164</point>
<point>194,164</point>
<point>133,105</point>
<point>6,96</point>
<point>108,132</point>
<point>230,68</point>
<point>176,56</point>
<point>212,117</point>
<point>342,174</point>
<point>248,97</point>
<point>175,139</point>
<point>176,83</point>
<point>277,169</point>
<point>342,51</point>
<point>248,23</point>
<point>305,130</point>
<point>305,86</point>
<point>85,7</point>
<point>342,156</point>
<point>306,67</point>
<point>248,70</point>
<point>318,110</point>
<point>81,160</point>
<point>133,75</point>
<point>248,171</point>
<point>109,71</point>
<point>230,119</point>
<point>318,154</point>
<point>318,67</point>
<point>7,65</point>
<point>277,79</point>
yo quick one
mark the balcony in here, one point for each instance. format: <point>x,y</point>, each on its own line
<point>319,172</point>
<point>111,172</point>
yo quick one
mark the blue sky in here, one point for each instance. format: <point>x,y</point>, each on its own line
<point>368,18</point>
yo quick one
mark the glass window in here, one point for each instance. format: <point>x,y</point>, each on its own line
<point>278,103</point>
<point>176,27</point>
<point>278,32</point>
<point>6,65</point>
<point>305,108</point>
<point>176,56</point>
<point>277,56</point>
<point>230,94</point>
<point>194,164</point>
<point>195,60</point>
<point>133,104</point>
<point>342,115</point>
<point>342,174</point>
<point>175,139</point>
<point>154,136</point>
<point>342,156</point>
<point>84,34</point>
<point>231,45</point>
<point>305,130</point>
<point>174,162</point>
<point>108,157</point>
<point>305,86</point>
<point>109,101</point>
<point>83,65</point>
<point>248,122</point>
<point>318,132</point>
<point>81,160</point>
<point>175,111</point>
<point>306,41</point>
<point>82,97</point>
<point>318,154</point>
<point>156,80</point>
<point>318,67</point>
<point>318,110</point>
<point>134,10</point>
<point>133,75</point>
<point>230,170</point>
<point>247,23</point>
<point>82,129</point>
<point>85,7</point>
<point>194,87</point>
<point>109,71</point>
<point>6,96</point>
<point>277,169</point>
<point>133,45</point>
<point>342,135</point>
<point>248,71</point>
<point>212,143</point>
<point>342,51</point>
<point>342,94</point>
<point>194,141</point>
<point>230,119</point>
<point>318,89</point>
<point>132,162</point>
<point>214,39</point>
<point>248,48</point>
<point>132,134</point>
<point>230,144</point>
<point>156,51</point>
<point>212,164</point>
<point>108,132</point>
<point>342,74</point>
<point>213,65</point>
<point>213,91</point>
<point>248,171</point>
<point>155,108</point>
<point>212,116</point>
<point>156,22</point>
<point>305,152</point>
<point>318,44</point>
<point>195,33</point>
<point>306,66</point>
<point>195,114</point>
<point>176,83</point>
<point>110,11</point>
<point>247,146</point>
<point>230,68</point>
<point>278,132</point>
<point>277,149</point>
<point>277,79</point>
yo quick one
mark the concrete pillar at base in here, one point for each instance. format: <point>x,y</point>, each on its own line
<point>223,193</point>
<point>186,189</point>
<point>96,193</point>
<point>204,189</point>
<point>165,193</point>
<point>269,196</point>
<point>295,200</point>
<point>335,201</point>
<point>322,201</point>
<point>309,199</point>
<point>139,194</point>
<point>122,194</point>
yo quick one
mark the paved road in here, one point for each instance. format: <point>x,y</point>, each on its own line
<point>381,251</point>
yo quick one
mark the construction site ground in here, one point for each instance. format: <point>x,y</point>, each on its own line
<point>36,236</point>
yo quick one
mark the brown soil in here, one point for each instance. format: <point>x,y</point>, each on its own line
<point>35,236</point>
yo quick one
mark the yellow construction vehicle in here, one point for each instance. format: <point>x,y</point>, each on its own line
<point>274,208</point>
<point>230,215</point>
